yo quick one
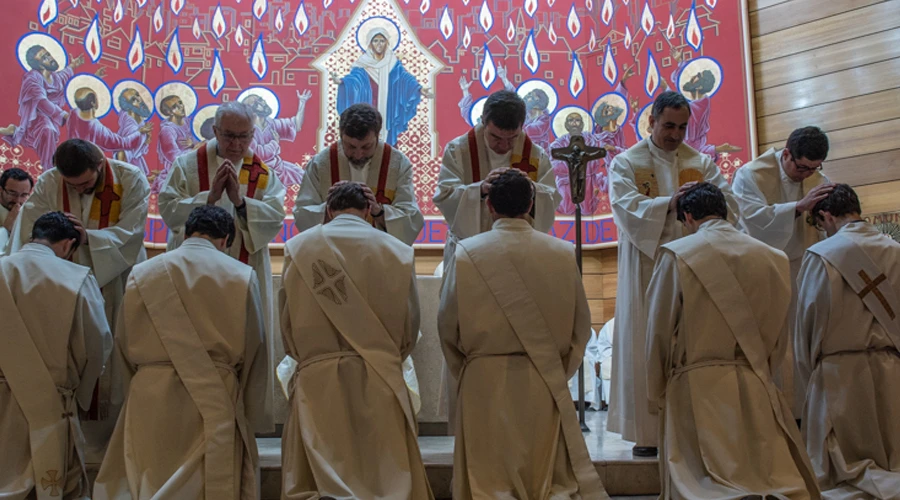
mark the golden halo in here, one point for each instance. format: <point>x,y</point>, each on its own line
<point>104,98</point>
<point>366,27</point>
<point>49,43</point>
<point>185,92</point>
<point>124,85</point>
<point>267,95</point>
<point>477,109</point>
<point>698,66</point>
<point>203,114</point>
<point>552,97</point>
<point>559,120</point>
<point>613,99</point>
<point>643,122</point>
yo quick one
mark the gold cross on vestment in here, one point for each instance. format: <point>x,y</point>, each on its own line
<point>872,286</point>
<point>53,483</point>
<point>331,282</point>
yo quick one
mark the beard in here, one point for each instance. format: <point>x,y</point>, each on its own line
<point>51,66</point>
<point>262,110</point>
<point>143,111</point>
<point>359,163</point>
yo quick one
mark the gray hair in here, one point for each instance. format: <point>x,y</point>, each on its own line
<point>235,108</point>
<point>669,99</point>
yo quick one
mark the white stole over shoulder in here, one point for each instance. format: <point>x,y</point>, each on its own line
<point>532,330</point>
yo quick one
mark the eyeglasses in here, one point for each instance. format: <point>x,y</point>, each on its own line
<point>16,196</point>
<point>228,137</point>
<point>804,168</point>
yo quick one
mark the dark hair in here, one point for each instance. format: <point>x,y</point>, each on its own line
<point>166,105</point>
<point>55,227</point>
<point>31,56</point>
<point>669,99</point>
<point>542,100</point>
<point>808,142</point>
<point>702,200</point>
<point>206,129</point>
<point>16,174</point>
<point>347,196</point>
<point>359,120</point>
<point>511,194</point>
<point>505,109</point>
<point>76,156</point>
<point>212,221</point>
<point>840,202</point>
<point>87,101</point>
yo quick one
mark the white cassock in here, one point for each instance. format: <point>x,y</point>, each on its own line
<point>642,181</point>
<point>718,304</point>
<point>402,217</point>
<point>768,200</point>
<point>265,219</point>
<point>4,234</point>
<point>514,322</point>
<point>458,194</point>
<point>115,231</point>
<point>192,337</point>
<point>848,350</point>
<point>49,365</point>
<point>591,358</point>
<point>350,315</point>
<point>605,344</point>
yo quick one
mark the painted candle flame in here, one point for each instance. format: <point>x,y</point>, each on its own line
<point>327,3</point>
<point>651,81</point>
<point>531,7</point>
<point>118,12</point>
<point>173,55</point>
<point>531,57</point>
<point>485,17</point>
<point>610,71</point>
<point>551,35</point>
<point>93,44</point>
<point>592,43</point>
<point>136,51</point>
<point>576,78</point>
<point>572,22</point>
<point>607,12</point>
<point>158,19</point>
<point>75,3</point>
<point>176,6</point>
<point>140,3</point>
<point>467,37</point>
<point>670,29</point>
<point>49,11</point>
<point>647,20</point>
<point>589,5</point>
<point>488,70</point>
<point>216,76</point>
<point>628,38</point>
<point>424,6</point>
<point>511,31</point>
<point>301,22</point>
<point>195,28</point>
<point>693,35</point>
<point>551,2</point>
<point>711,3</point>
<point>258,62</point>
<point>259,8</point>
<point>239,36</point>
<point>279,21</point>
<point>218,23</point>
<point>446,24</point>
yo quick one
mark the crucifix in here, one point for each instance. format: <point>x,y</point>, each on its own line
<point>577,155</point>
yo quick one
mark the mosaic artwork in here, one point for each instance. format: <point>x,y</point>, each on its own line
<point>143,78</point>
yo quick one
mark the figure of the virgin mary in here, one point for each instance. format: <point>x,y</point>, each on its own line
<point>379,78</point>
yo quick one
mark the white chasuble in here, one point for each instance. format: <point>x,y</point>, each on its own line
<point>514,323</point>
<point>718,313</point>
<point>350,316</point>
<point>642,181</point>
<point>848,334</point>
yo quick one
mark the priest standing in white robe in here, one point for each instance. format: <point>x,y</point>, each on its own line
<point>107,201</point>
<point>226,173</point>
<point>193,338</point>
<point>718,305</point>
<point>15,188</point>
<point>514,322</point>
<point>350,316</point>
<point>645,183</point>
<point>775,192</point>
<point>848,347</point>
<point>49,363</point>
<point>473,160</point>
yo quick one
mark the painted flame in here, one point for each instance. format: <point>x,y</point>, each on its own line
<point>136,51</point>
<point>92,42</point>
<point>118,12</point>
<point>239,36</point>
<point>647,20</point>
<point>693,35</point>
<point>485,17</point>
<point>279,21</point>
<point>488,70</point>
<point>607,12</point>
<point>531,57</point>
<point>258,62</point>
<point>651,81</point>
<point>576,78</point>
<point>195,28</point>
<point>531,7</point>
<point>49,11</point>
<point>467,37</point>
<point>216,76</point>
<point>158,19</point>
<point>173,55</point>
<point>301,22</point>
<point>511,31</point>
<point>572,22</point>
<point>610,71</point>
<point>551,34</point>
<point>446,24</point>
<point>592,43</point>
<point>259,8</point>
<point>628,38</point>
<point>424,6</point>
<point>670,29</point>
<point>218,23</point>
<point>176,6</point>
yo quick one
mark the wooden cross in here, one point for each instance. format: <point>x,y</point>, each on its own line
<point>106,197</point>
<point>872,286</point>
<point>53,482</point>
<point>577,155</point>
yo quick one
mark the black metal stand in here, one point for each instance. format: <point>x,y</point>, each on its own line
<point>581,405</point>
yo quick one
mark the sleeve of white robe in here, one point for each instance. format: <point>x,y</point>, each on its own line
<point>120,367</point>
<point>265,217</point>
<point>309,207</point>
<point>255,375</point>
<point>411,335</point>
<point>713,175</point>
<point>664,304</point>
<point>402,216</point>
<point>175,200</point>
<point>4,240</point>
<point>813,312</point>
<point>771,224</point>
<point>641,218</point>
<point>91,340</point>
<point>448,318</point>
<point>546,196</point>
<point>116,249</point>
<point>581,331</point>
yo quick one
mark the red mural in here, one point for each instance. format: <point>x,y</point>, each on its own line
<point>142,79</point>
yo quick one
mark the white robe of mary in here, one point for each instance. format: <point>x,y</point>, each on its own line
<point>350,315</point>
<point>718,304</point>
<point>110,252</point>
<point>642,181</point>
<point>49,365</point>
<point>514,323</point>
<point>848,350</point>
<point>265,219</point>
<point>192,336</point>
<point>768,200</point>
<point>458,194</point>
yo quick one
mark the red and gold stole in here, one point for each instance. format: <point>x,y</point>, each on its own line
<point>383,195</point>
<point>254,174</point>
<point>524,157</point>
<point>106,205</point>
